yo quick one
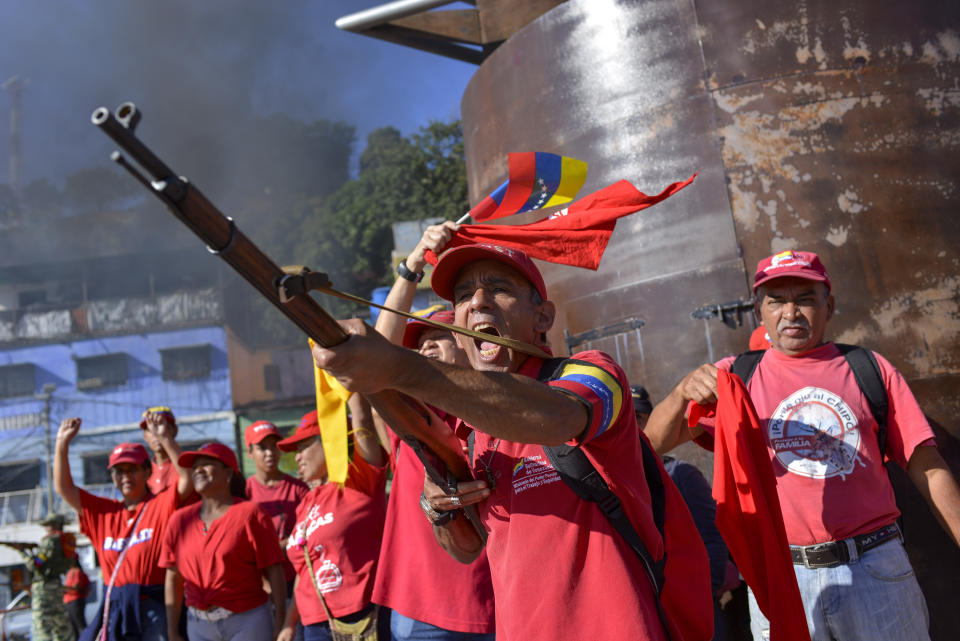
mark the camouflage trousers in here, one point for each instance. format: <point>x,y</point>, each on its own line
<point>50,620</point>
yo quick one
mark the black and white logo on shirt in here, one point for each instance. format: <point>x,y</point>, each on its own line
<point>814,433</point>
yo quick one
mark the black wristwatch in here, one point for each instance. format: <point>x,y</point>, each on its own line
<point>435,517</point>
<point>404,272</point>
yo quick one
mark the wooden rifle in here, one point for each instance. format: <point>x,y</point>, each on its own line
<point>434,443</point>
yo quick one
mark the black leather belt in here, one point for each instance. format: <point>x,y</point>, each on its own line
<point>834,553</point>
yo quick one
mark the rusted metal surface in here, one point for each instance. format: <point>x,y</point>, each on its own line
<point>592,87</point>
<point>827,126</point>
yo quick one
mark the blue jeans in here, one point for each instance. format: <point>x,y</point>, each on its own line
<point>875,596</point>
<point>406,629</point>
<point>252,625</point>
<point>153,620</point>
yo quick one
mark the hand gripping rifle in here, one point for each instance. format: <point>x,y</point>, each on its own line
<point>434,443</point>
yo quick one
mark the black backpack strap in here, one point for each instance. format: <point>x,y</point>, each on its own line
<point>867,372</point>
<point>582,477</point>
<point>576,470</point>
<point>745,364</point>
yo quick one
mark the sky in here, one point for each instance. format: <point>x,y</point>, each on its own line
<point>187,61</point>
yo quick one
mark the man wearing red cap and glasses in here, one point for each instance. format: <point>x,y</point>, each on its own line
<point>335,542</point>
<point>559,568</point>
<point>823,440</point>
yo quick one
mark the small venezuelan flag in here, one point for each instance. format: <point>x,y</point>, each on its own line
<point>535,180</point>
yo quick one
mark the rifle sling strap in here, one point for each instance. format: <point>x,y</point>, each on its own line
<point>316,281</point>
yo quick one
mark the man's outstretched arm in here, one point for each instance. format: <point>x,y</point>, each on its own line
<point>504,405</point>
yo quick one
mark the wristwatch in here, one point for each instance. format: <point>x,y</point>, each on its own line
<point>435,517</point>
<point>404,272</point>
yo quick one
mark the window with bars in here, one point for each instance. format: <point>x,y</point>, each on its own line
<point>17,380</point>
<point>101,371</point>
<point>271,378</point>
<point>185,363</point>
<point>21,475</point>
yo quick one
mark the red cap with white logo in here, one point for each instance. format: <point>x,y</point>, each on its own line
<point>260,430</point>
<point>805,265</point>
<point>128,453</point>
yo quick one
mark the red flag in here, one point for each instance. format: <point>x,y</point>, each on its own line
<point>748,510</point>
<point>576,235</point>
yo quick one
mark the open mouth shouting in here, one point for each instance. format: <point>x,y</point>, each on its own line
<point>488,350</point>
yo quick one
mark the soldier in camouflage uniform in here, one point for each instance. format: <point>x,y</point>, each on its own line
<point>48,563</point>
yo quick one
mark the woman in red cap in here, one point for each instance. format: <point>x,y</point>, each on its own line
<point>126,534</point>
<point>339,527</point>
<point>218,553</point>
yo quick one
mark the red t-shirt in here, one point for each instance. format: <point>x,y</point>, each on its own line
<point>79,583</point>
<point>342,527</point>
<point>559,568</point>
<point>108,525</point>
<point>822,440</point>
<point>222,566</point>
<point>417,577</point>
<point>162,476</point>
<point>279,501</point>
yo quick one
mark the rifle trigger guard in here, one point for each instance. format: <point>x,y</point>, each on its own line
<point>300,282</point>
<point>225,248</point>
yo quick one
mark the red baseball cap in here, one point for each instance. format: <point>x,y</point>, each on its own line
<point>451,263</point>
<point>158,409</point>
<point>308,428</point>
<point>791,263</point>
<point>218,451</point>
<point>128,453</point>
<point>260,430</point>
<point>415,328</point>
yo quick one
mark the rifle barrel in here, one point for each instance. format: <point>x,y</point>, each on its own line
<point>125,137</point>
<point>222,237</point>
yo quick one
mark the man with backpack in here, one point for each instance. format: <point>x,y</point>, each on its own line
<point>588,537</point>
<point>831,414</point>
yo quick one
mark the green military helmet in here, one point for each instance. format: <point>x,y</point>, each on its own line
<point>53,520</point>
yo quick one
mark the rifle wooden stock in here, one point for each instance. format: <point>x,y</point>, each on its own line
<point>409,418</point>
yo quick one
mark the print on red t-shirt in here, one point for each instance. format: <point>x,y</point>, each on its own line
<point>342,528</point>
<point>108,525</point>
<point>222,566</point>
<point>540,531</point>
<point>822,442</point>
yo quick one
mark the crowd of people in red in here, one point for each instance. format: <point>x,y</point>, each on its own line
<point>192,550</point>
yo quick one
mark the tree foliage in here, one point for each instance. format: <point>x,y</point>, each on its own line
<point>349,235</point>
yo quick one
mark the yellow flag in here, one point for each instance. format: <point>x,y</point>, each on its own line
<point>332,417</point>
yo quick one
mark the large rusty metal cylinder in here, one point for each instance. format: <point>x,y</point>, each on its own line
<point>830,126</point>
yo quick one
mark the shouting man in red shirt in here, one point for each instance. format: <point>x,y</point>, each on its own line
<point>559,568</point>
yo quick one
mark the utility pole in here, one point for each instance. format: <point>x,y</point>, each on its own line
<point>14,85</point>
<point>46,395</point>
